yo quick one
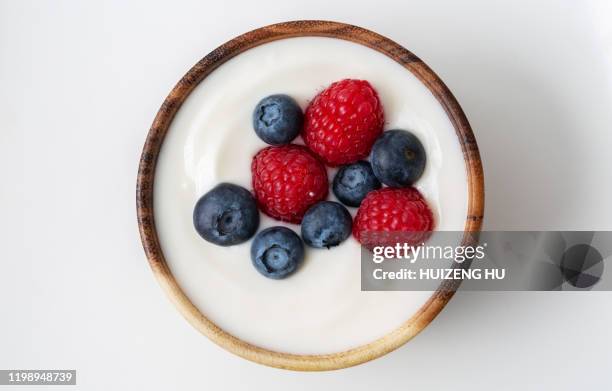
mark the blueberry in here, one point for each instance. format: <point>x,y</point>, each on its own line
<point>277,119</point>
<point>226,215</point>
<point>277,252</point>
<point>353,182</point>
<point>326,224</point>
<point>398,158</point>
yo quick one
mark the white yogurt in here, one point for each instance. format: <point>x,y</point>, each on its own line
<point>320,309</point>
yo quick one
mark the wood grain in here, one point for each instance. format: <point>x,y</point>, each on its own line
<point>160,126</point>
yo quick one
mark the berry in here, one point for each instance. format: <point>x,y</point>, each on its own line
<point>389,215</point>
<point>343,121</point>
<point>326,224</point>
<point>277,252</point>
<point>277,119</point>
<point>398,158</point>
<point>226,215</point>
<point>353,182</point>
<point>287,181</point>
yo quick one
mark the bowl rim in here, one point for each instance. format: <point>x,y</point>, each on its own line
<point>159,129</point>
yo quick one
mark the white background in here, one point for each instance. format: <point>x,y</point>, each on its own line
<point>80,83</point>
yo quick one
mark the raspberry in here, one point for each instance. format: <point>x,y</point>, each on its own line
<point>288,180</point>
<point>343,121</point>
<point>388,216</point>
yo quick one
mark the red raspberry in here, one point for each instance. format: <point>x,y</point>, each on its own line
<point>388,216</point>
<point>343,121</point>
<point>288,180</point>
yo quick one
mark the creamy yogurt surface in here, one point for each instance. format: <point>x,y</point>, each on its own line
<point>320,309</point>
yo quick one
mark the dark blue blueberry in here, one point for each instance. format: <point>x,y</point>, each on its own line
<point>226,215</point>
<point>398,158</point>
<point>326,224</point>
<point>352,182</point>
<point>277,119</point>
<point>277,252</point>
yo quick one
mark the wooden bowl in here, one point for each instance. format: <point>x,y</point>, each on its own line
<point>157,133</point>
